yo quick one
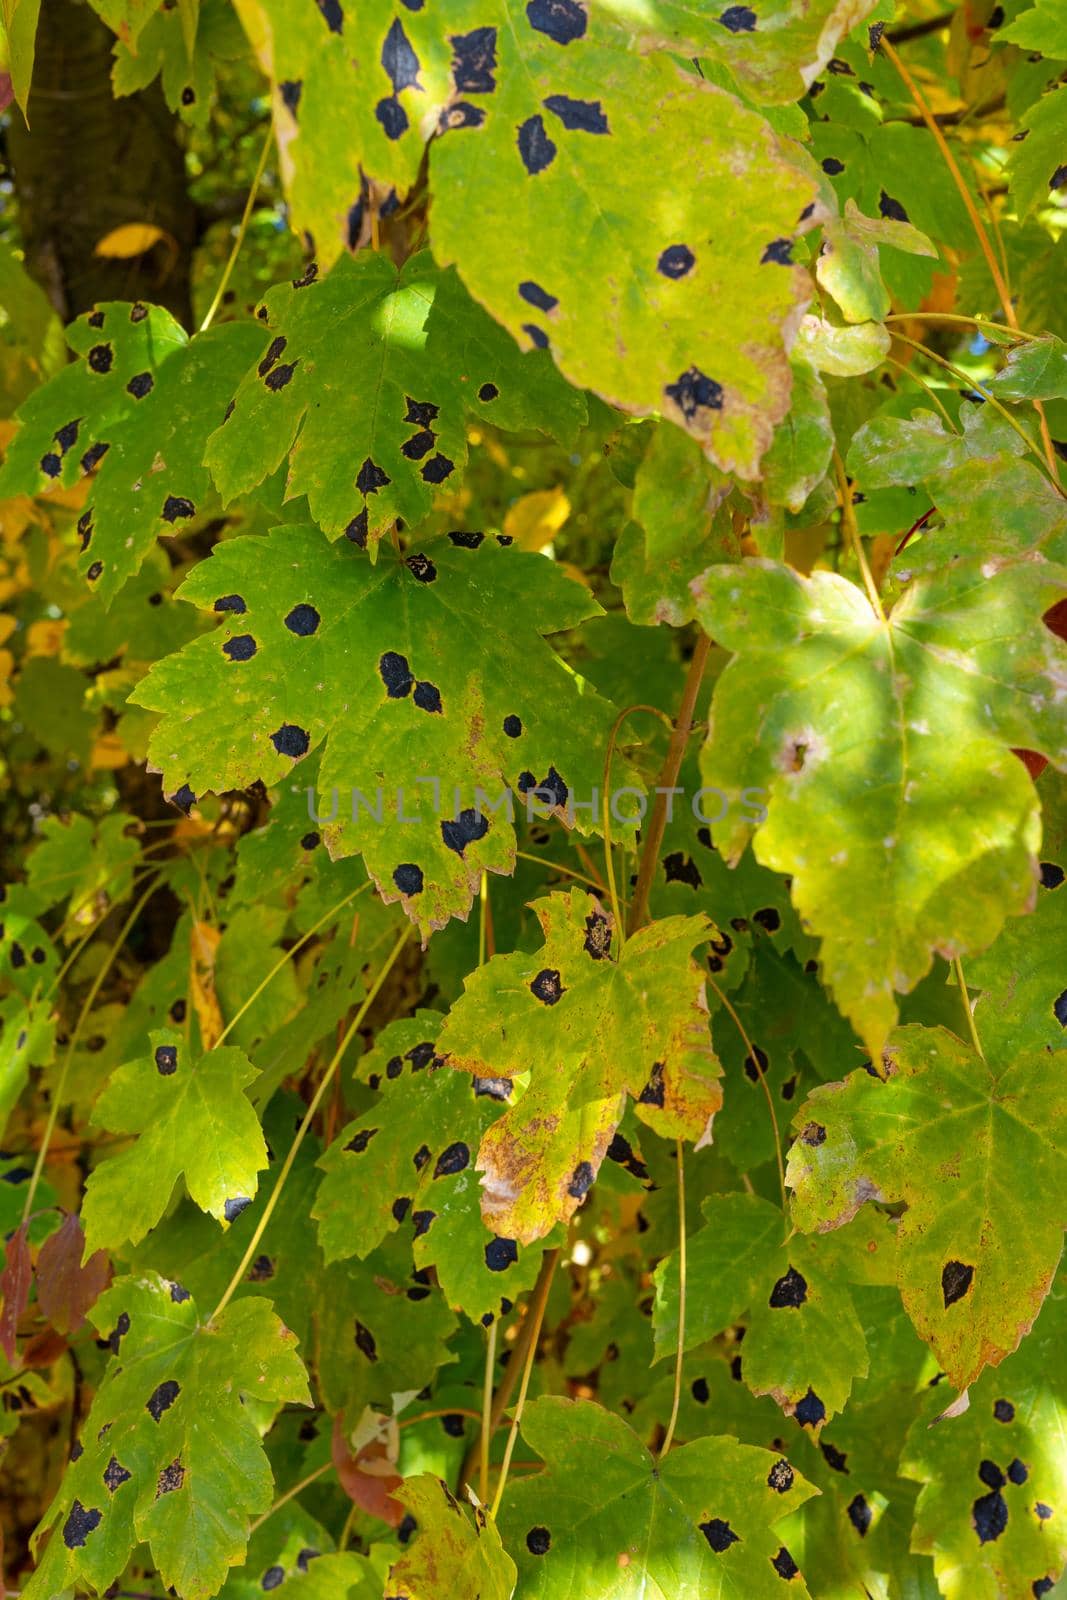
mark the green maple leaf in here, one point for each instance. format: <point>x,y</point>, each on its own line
<point>375,660</point>
<point>1023,983</point>
<point>803,1345</point>
<point>28,958</point>
<point>88,863</point>
<point>675,535</point>
<point>169,1455</point>
<point>366,453</point>
<point>408,1162</point>
<point>995,1479</point>
<point>884,752</point>
<point>949,1134</point>
<point>191,1116</point>
<point>591,1027</point>
<point>1035,171</point>
<point>452,1550</point>
<point>605,1518</point>
<point>135,413</point>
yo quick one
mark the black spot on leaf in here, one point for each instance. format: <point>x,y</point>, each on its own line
<point>166,1059</point>
<point>232,1208</point>
<point>892,208</point>
<point>421,568</point>
<point>859,1514</point>
<point>272,1578</point>
<point>394,120</point>
<point>463,830</point>
<point>452,1160</point>
<point>467,541</point>
<point>100,358</point>
<point>170,1478</point>
<point>303,620</point>
<point>719,1534</point>
<point>547,986</point>
<point>162,1397</point>
<point>654,1093</point>
<point>278,377</point>
<point>535,296</point>
<point>94,455</point>
<point>1058,179</point>
<point>1059,1008</point>
<point>832,167</point>
<point>241,648</point>
<point>421,1156</point>
<point>231,602</point>
<point>562,20</point>
<point>95,319</point>
<point>419,443</point>
<point>597,941</point>
<point>67,435</point>
<point>290,740</point>
<point>755,1068</point>
<point>581,1181</point>
<point>290,90</point>
<point>118,1332</point>
<point>311,841</point>
<point>365,1341</point>
<point>427,696</point>
<point>437,469</point>
<point>779,251</point>
<point>79,1525</point>
<point>408,878</point>
<point>94,570</point>
<point>1018,1472</point>
<point>677,261</point>
<point>474,61</point>
<point>700,1391</point>
<point>461,114</point>
<point>768,919</point>
<point>273,351</point>
<point>422,1221</point>
<point>680,868</point>
<point>371,478</point>
<point>400,1207</point>
<point>537,336</point>
<point>115,1475</point>
<point>991,1475</point>
<point>780,1477</point>
<point>1004,1411</point>
<point>810,1411</point>
<point>738,19</point>
<point>332,14</point>
<point>486,393</point>
<point>395,674</point>
<point>989,1515</point>
<point>956,1280</point>
<point>536,149</point>
<point>835,1459</point>
<point>784,1565</point>
<point>356,530</point>
<point>1051,875</point>
<point>501,1254</point>
<point>261,1270</point>
<point>814,1134</point>
<point>176,507</point>
<point>399,59</point>
<point>694,391</point>
<point>360,1140</point>
<point>791,1290</point>
<point>538,1541</point>
<point>1042,1511</point>
<point>577,116</point>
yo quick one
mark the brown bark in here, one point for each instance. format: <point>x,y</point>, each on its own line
<point>89,163</point>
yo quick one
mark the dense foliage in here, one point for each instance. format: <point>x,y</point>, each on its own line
<point>533,947</point>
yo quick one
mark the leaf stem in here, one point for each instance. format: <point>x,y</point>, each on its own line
<point>679,1355</point>
<point>616,912</point>
<point>979,388</point>
<point>508,1381</point>
<point>999,281</point>
<point>287,956</point>
<point>290,1494</point>
<point>241,231</point>
<point>848,517</point>
<point>324,1082</point>
<point>57,1094</point>
<point>537,1317</point>
<point>487,1407</point>
<point>754,1058</point>
<point>957,967</point>
<point>970,322</point>
<point>653,835</point>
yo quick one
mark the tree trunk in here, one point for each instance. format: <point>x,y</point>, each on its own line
<point>89,163</point>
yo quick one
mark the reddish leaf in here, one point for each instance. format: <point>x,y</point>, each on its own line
<point>15,1288</point>
<point>367,1478</point>
<point>65,1288</point>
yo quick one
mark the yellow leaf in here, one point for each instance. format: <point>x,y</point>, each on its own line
<point>45,638</point>
<point>202,947</point>
<point>131,239</point>
<point>535,520</point>
<point>108,753</point>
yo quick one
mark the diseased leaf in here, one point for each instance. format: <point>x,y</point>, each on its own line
<point>190,1115</point>
<point>150,1467</point>
<point>374,660</point>
<point>936,1127</point>
<point>408,1162</point>
<point>603,1512</point>
<point>367,453</point>
<point>453,1552</point>
<point>803,1342</point>
<point>592,1026</point>
<point>885,749</point>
